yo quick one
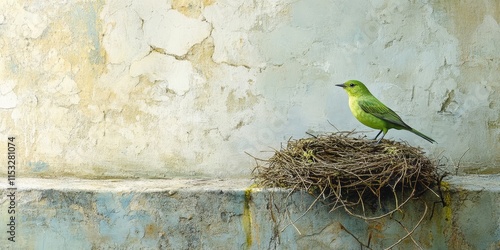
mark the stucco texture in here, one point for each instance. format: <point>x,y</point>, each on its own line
<point>99,89</point>
<point>226,214</point>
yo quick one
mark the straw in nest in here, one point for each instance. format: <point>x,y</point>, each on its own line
<point>348,171</point>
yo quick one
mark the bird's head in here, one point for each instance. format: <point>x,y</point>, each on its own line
<point>354,88</point>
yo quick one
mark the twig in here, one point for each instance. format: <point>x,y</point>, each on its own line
<point>293,222</point>
<point>411,232</point>
<point>460,160</point>
<point>356,238</point>
<point>350,173</point>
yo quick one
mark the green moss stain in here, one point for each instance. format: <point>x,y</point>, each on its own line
<point>247,217</point>
<point>445,188</point>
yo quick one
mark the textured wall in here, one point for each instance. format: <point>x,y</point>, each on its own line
<point>226,214</point>
<point>169,88</point>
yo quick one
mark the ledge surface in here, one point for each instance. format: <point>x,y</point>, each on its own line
<point>228,214</point>
<point>470,182</point>
<point>128,185</point>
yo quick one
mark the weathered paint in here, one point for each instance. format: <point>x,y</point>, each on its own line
<point>108,88</point>
<point>227,214</point>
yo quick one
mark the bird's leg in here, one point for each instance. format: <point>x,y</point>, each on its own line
<point>377,135</point>
<point>380,137</point>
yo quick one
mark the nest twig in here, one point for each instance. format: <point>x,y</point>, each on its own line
<point>348,171</point>
<point>354,174</point>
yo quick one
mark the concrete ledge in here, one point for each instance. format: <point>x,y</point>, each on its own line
<point>227,214</point>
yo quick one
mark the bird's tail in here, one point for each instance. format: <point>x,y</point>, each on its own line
<point>422,135</point>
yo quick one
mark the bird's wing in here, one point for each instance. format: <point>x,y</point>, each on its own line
<point>379,110</point>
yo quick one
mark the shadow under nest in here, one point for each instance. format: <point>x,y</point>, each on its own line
<point>353,173</point>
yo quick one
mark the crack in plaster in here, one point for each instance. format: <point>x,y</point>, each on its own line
<point>450,95</point>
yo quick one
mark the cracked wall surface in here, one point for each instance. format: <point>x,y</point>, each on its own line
<point>184,88</point>
<point>226,214</point>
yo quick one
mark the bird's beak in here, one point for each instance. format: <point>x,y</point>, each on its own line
<point>340,85</point>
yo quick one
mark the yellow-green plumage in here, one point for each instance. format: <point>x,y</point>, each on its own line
<point>373,113</point>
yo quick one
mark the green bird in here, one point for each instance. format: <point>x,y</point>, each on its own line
<point>372,112</point>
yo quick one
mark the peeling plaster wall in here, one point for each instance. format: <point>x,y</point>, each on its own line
<point>226,214</point>
<point>184,88</point>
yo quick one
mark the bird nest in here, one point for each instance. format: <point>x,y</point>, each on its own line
<point>349,172</point>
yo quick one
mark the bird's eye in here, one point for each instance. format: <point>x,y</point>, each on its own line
<point>351,85</point>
